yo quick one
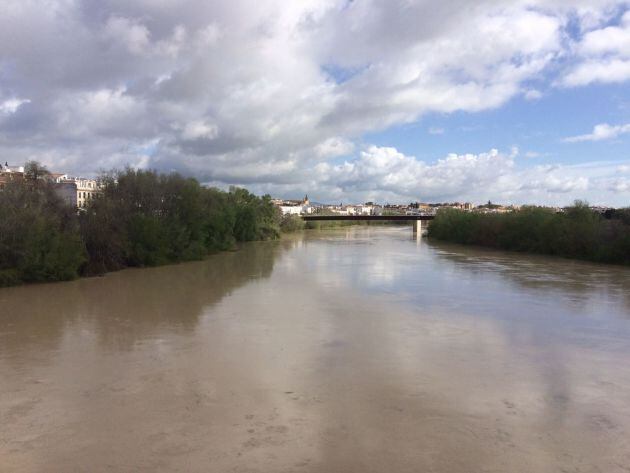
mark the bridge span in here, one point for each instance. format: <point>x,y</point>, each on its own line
<point>416,219</point>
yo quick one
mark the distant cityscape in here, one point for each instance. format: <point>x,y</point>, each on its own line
<point>78,191</point>
<point>306,207</point>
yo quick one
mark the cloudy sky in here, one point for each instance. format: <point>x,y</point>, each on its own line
<point>391,100</point>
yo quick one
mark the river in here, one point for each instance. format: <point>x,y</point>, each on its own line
<point>351,350</point>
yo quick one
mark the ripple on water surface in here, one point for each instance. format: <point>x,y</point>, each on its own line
<point>359,349</point>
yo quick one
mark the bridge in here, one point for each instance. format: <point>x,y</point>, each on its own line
<point>416,219</point>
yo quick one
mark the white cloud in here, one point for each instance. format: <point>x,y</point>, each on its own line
<point>103,112</point>
<point>199,129</point>
<point>603,131</point>
<point>533,94</point>
<point>132,34</point>
<point>608,40</point>
<point>603,70</point>
<point>435,131</point>
<point>333,148</point>
<point>604,56</point>
<point>384,173</point>
<point>268,93</point>
<point>532,154</point>
<point>620,185</point>
<point>11,105</point>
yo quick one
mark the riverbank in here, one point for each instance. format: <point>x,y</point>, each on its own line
<point>138,219</point>
<point>577,233</point>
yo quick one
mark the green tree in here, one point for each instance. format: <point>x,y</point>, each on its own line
<point>39,236</point>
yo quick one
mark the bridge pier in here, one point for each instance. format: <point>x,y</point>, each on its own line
<point>419,227</point>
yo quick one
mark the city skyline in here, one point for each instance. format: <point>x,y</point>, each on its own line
<point>516,102</point>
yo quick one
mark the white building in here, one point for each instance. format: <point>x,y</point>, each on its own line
<point>87,189</point>
<point>339,210</point>
<point>294,207</point>
<point>363,209</point>
<point>77,191</point>
<point>291,209</point>
<point>12,169</point>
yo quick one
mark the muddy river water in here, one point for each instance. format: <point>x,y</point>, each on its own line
<point>352,350</point>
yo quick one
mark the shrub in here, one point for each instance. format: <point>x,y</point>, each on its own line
<point>577,233</point>
<point>291,223</point>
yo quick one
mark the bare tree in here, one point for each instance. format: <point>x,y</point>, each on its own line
<point>34,171</point>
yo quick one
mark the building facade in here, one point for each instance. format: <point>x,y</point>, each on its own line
<point>294,207</point>
<point>87,189</point>
<point>10,174</point>
<point>78,191</point>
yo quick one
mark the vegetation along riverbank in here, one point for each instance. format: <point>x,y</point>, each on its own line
<point>578,232</point>
<point>140,218</point>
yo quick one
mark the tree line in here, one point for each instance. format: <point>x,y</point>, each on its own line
<point>140,218</point>
<point>578,232</point>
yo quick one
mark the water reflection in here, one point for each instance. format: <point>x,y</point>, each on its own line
<point>587,287</point>
<point>127,306</point>
<point>383,261</point>
<point>357,350</point>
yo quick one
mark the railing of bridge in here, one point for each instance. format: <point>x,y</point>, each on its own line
<point>399,218</point>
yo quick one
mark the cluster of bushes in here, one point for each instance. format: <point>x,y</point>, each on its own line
<point>578,232</point>
<point>291,223</point>
<point>142,218</point>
